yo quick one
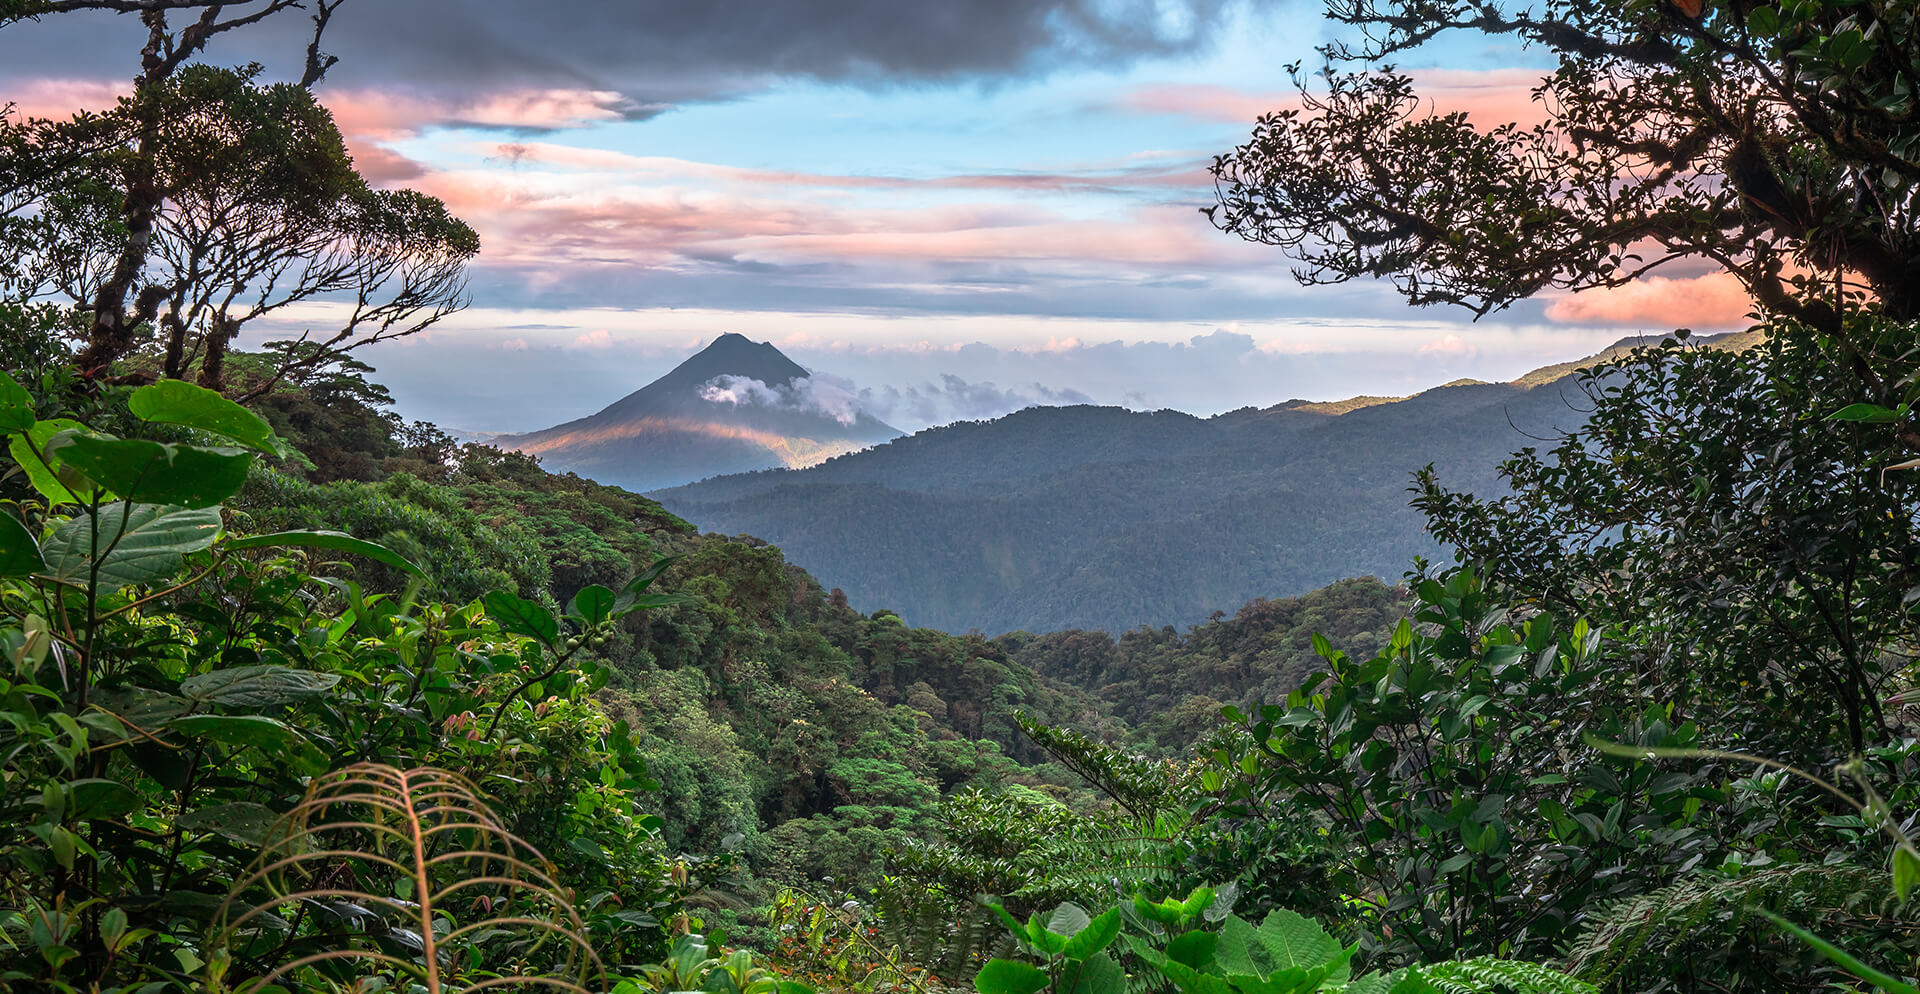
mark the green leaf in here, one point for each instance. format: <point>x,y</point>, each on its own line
<point>19,553</point>
<point>181,403</point>
<point>1006,918</point>
<point>1190,980</point>
<point>1233,954</point>
<point>1098,975</point>
<point>29,451</point>
<point>593,603</point>
<point>257,686</point>
<point>1844,959</point>
<point>242,821</point>
<point>1869,413</point>
<point>237,730</point>
<point>1906,870</point>
<point>1005,976</point>
<point>1295,940</point>
<point>1763,22</point>
<point>113,925</point>
<point>158,473</point>
<point>16,406</point>
<point>521,616</point>
<point>1068,919</point>
<point>1195,949</point>
<point>1097,935</point>
<point>332,541</point>
<point>152,543</point>
<point>100,799</point>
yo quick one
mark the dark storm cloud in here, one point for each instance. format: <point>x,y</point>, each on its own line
<point>658,52</point>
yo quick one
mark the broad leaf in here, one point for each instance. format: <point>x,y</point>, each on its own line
<point>329,540</point>
<point>156,472</point>
<point>235,729</point>
<point>594,604</point>
<point>19,553</point>
<point>103,799</point>
<point>1068,919</point>
<point>1005,976</point>
<point>1869,413</point>
<point>1098,975</point>
<point>181,403</point>
<point>1906,870</point>
<point>143,545</point>
<point>257,686</point>
<point>16,406</point>
<point>29,451</point>
<point>521,616</point>
<point>1098,934</point>
<point>1195,949</point>
<point>1296,940</point>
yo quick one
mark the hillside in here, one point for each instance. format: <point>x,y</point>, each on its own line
<point>736,406</point>
<point>1104,518</point>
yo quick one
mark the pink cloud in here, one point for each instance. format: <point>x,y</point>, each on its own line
<point>59,98</point>
<point>1488,97</point>
<point>1186,173</point>
<point>1713,300</point>
<point>1450,346</point>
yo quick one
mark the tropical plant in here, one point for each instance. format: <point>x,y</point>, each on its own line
<point>170,689</point>
<point>1472,819</point>
<point>401,873</point>
<point>1286,954</point>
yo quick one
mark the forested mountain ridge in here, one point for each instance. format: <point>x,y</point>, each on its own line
<point>1105,518</point>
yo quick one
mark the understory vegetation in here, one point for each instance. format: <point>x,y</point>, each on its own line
<point>298,696</point>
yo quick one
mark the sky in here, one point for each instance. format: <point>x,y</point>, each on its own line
<point>953,210</point>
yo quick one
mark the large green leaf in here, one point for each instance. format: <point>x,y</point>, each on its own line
<point>257,686</point>
<point>19,553</point>
<point>1095,936</point>
<point>144,710</point>
<point>235,729</point>
<point>29,451</point>
<point>157,472</point>
<point>104,799</point>
<point>1005,976</point>
<point>143,545</point>
<point>1067,919</point>
<point>521,616</point>
<point>16,406</point>
<point>593,604</point>
<point>332,541</point>
<point>1098,975</point>
<point>181,403</point>
<point>1295,940</point>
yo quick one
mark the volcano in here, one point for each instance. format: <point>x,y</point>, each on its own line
<point>735,407</point>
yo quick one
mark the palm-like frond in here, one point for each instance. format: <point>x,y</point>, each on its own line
<point>373,870</point>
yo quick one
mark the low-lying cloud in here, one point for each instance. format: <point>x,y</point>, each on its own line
<point>956,399</point>
<point>811,394</point>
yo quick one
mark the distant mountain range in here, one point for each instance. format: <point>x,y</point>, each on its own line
<point>1105,518</point>
<point>736,406</point>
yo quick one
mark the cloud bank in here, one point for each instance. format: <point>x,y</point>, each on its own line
<point>810,394</point>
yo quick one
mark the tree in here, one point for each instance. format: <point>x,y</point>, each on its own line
<point>211,200</point>
<point>1778,142</point>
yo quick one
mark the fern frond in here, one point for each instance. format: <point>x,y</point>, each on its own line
<point>1487,975</point>
<point>373,868</point>
<point>1643,932</point>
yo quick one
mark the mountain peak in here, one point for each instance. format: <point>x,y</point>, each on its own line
<point>734,406</point>
<point>734,354</point>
